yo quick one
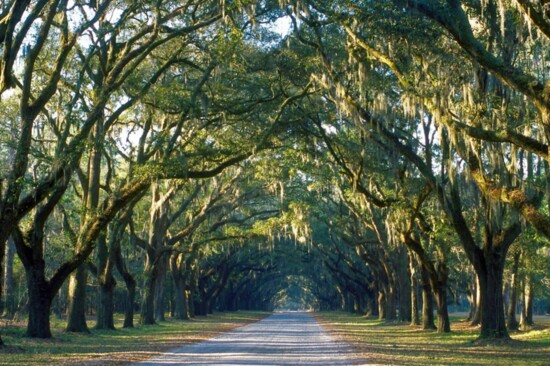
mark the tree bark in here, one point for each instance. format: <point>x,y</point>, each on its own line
<point>177,267</point>
<point>405,287</point>
<point>76,320</point>
<point>148,304</point>
<point>427,301</point>
<point>382,304</point>
<point>40,300</point>
<point>512,322</point>
<point>106,283</point>
<point>493,322</point>
<point>415,318</point>
<point>9,281</point>
<point>526,319</point>
<point>159,301</point>
<point>476,319</point>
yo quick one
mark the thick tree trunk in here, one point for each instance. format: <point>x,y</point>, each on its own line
<point>439,288</point>
<point>106,285</point>
<point>404,280</point>
<point>148,304</point>
<point>493,322</point>
<point>176,266</point>
<point>131,298</point>
<point>76,319</point>
<point>159,301</point>
<point>443,323</point>
<point>40,300</point>
<point>427,301</point>
<point>105,306</point>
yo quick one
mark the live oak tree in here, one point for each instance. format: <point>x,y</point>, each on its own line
<point>123,122</point>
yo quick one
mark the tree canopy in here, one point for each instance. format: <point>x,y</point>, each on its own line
<point>370,156</point>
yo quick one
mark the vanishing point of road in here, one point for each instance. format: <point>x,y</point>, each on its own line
<point>289,338</point>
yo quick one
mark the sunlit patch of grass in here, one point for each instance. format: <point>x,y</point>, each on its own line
<point>401,344</point>
<point>114,347</point>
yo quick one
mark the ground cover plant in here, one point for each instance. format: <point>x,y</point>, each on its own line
<point>398,343</point>
<point>187,157</point>
<point>115,347</point>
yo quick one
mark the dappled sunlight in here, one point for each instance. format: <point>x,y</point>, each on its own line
<point>117,347</point>
<point>402,344</point>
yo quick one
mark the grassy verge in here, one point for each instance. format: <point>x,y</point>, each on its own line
<point>116,347</point>
<point>401,344</point>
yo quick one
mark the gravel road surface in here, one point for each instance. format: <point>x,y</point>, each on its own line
<point>289,338</point>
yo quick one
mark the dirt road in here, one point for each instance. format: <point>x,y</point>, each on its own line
<point>290,338</point>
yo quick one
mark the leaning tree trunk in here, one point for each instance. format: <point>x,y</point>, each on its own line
<point>76,321</point>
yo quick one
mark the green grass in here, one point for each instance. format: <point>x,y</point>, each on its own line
<point>113,347</point>
<point>378,342</point>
